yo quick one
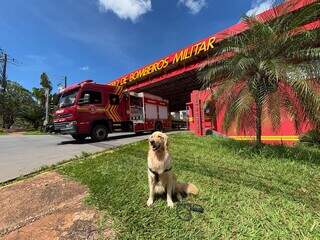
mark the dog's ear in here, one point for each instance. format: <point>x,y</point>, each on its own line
<point>150,137</point>
<point>166,141</point>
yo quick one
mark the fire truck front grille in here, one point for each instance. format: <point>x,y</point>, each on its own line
<point>59,126</point>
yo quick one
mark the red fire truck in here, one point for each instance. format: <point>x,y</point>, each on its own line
<point>91,109</point>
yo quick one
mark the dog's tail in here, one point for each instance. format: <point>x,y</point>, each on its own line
<point>187,188</point>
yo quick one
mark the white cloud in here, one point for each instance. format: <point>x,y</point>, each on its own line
<point>84,68</point>
<point>126,9</point>
<point>259,6</point>
<point>194,6</point>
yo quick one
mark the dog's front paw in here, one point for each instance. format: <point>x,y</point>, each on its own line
<point>170,204</point>
<point>149,202</point>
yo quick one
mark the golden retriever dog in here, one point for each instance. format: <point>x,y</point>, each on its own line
<point>160,173</point>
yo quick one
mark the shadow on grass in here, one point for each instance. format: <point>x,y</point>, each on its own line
<point>298,153</point>
<point>241,178</point>
<point>268,183</point>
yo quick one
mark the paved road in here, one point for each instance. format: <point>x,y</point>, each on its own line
<point>21,154</point>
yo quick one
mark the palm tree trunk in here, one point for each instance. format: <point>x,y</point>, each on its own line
<point>258,122</point>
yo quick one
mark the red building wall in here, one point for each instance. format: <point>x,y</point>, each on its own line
<point>201,125</point>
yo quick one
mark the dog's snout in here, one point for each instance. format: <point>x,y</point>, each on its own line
<point>152,141</point>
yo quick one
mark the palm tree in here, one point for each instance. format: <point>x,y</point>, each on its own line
<point>272,67</point>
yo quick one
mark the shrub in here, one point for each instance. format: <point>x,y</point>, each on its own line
<point>2,132</point>
<point>312,137</point>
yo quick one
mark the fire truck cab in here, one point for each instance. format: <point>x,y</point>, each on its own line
<point>95,110</point>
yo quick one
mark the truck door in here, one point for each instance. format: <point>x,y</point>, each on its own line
<point>90,110</point>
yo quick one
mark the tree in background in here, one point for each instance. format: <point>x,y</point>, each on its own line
<point>13,102</point>
<point>40,93</point>
<point>18,103</point>
<point>40,96</point>
<point>33,114</point>
<point>272,67</point>
<point>45,82</point>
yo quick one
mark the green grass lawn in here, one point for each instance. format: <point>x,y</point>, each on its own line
<point>268,193</point>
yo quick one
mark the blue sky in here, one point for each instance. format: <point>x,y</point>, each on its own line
<point>104,39</point>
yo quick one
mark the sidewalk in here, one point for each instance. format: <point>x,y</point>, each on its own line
<point>46,207</point>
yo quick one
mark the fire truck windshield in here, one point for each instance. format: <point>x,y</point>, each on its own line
<point>68,99</point>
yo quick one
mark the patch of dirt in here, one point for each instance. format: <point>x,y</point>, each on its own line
<point>47,207</point>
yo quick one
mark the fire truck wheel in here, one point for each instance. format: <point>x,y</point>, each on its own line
<point>158,127</point>
<point>79,138</point>
<point>99,133</point>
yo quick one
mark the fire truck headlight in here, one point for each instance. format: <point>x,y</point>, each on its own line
<point>71,124</point>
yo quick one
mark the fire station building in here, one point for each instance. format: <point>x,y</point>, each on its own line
<point>174,77</point>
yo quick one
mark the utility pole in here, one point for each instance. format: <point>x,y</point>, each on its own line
<point>65,81</point>
<point>47,93</point>
<point>4,73</point>
<point>4,58</point>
